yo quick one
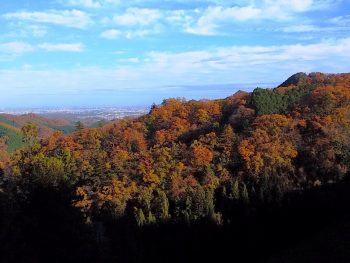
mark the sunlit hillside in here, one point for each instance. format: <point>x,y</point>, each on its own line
<point>223,172</point>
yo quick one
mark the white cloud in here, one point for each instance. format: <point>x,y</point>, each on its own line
<point>179,17</point>
<point>11,50</point>
<point>213,16</point>
<point>136,23</point>
<point>27,31</point>
<point>291,5</point>
<point>15,48</point>
<point>138,33</point>
<point>128,34</point>
<point>111,34</point>
<point>211,19</point>
<point>301,29</point>
<point>341,20</point>
<point>89,3</point>
<point>309,28</point>
<point>37,31</point>
<point>234,13</point>
<point>326,4</point>
<point>27,67</point>
<point>137,17</point>
<point>241,64</point>
<point>233,58</point>
<point>67,47</point>
<point>130,60</point>
<point>69,18</point>
<point>235,64</point>
<point>85,3</point>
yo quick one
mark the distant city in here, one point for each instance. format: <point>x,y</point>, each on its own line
<point>76,114</point>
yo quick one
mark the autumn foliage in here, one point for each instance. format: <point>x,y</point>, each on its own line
<point>194,161</point>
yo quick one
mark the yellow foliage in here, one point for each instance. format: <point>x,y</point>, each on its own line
<point>202,156</point>
<point>269,147</point>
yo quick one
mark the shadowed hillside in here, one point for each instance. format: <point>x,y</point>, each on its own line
<point>10,126</point>
<point>252,177</point>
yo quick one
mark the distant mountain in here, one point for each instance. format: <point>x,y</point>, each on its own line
<point>12,133</point>
<point>87,115</point>
<point>218,175</point>
<point>64,120</point>
<point>294,79</point>
<point>10,126</point>
<point>314,78</point>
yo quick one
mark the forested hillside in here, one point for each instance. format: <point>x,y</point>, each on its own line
<point>10,126</point>
<point>191,180</point>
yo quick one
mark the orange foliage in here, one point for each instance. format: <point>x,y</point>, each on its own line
<point>270,146</point>
<point>180,184</point>
<point>202,156</point>
<point>4,157</point>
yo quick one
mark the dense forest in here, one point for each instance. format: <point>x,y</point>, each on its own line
<point>10,127</point>
<point>244,178</point>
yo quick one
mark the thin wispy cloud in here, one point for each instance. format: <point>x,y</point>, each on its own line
<point>90,3</point>
<point>84,3</point>
<point>213,18</point>
<point>69,18</point>
<point>233,64</point>
<point>10,51</point>
<point>341,20</point>
<point>15,48</point>
<point>68,47</point>
<point>76,46</point>
<point>210,21</point>
<point>111,34</point>
<point>137,17</point>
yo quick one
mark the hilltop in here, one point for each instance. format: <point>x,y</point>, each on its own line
<point>189,181</point>
<point>50,120</point>
<point>10,126</point>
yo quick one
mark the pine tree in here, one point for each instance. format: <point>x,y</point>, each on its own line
<point>245,195</point>
<point>30,134</point>
<point>161,205</point>
<point>139,217</point>
<point>79,126</point>
<point>227,142</point>
<point>235,190</point>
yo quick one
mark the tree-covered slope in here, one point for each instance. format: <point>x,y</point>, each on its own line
<point>199,174</point>
<point>13,134</point>
<point>10,126</point>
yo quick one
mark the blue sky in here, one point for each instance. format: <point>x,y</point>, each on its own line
<point>136,52</point>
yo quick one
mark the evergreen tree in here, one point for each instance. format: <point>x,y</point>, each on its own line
<point>139,217</point>
<point>30,134</point>
<point>245,194</point>
<point>235,190</point>
<point>160,205</point>
<point>79,126</point>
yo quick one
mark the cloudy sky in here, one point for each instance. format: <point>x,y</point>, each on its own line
<point>136,52</point>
